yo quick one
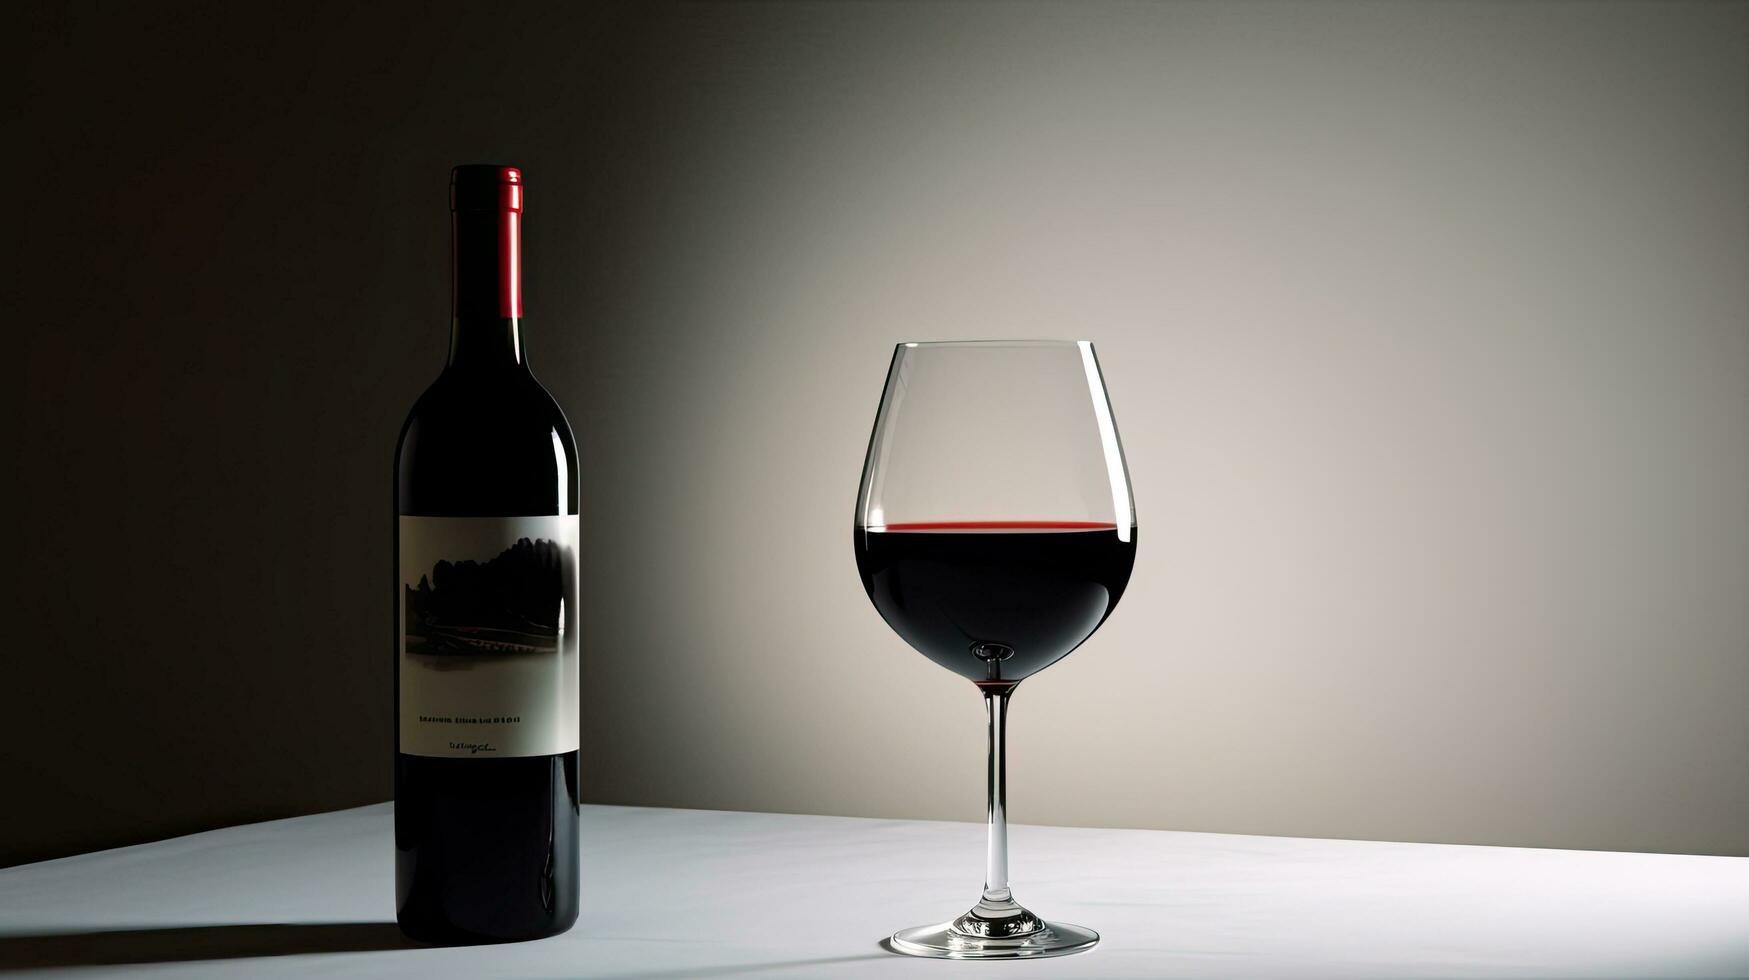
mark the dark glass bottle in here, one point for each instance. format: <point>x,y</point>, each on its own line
<point>486,795</point>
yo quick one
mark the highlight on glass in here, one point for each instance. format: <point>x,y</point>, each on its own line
<point>995,531</point>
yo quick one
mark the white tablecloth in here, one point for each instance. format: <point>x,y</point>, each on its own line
<point>690,893</point>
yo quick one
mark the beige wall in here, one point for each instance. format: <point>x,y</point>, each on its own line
<point>1426,331</point>
<point>1425,327</point>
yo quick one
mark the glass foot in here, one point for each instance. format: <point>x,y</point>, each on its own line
<point>993,931</point>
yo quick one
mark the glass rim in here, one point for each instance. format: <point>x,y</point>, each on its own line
<point>993,343</point>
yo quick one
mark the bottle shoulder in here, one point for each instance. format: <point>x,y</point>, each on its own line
<point>556,416</point>
<point>478,443</point>
<point>483,405</point>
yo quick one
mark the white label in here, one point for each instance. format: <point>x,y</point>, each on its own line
<point>488,641</point>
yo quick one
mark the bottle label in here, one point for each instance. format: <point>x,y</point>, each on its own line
<point>488,643</point>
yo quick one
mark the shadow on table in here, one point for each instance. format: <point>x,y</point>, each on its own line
<point>742,969</point>
<point>114,947</point>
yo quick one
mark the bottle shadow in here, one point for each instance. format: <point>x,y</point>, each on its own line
<point>170,944</point>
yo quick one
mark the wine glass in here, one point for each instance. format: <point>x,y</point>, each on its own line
<point>995,532</point>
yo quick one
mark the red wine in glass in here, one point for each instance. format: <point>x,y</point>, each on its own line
<point>995,601</point>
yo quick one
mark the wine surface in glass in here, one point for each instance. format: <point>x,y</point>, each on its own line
<point>995,601</point>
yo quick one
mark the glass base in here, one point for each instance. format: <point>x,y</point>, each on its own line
<point>993,931</point>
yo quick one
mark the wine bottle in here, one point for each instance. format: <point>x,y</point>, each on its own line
<point>486,658</point>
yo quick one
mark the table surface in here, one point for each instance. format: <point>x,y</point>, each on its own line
<point>696,893</point>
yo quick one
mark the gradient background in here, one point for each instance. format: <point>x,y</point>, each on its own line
<point>1425,325</point>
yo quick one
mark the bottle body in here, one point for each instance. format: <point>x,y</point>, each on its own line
<point>485,637</point>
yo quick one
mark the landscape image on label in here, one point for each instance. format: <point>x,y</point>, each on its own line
<point>511,604</point>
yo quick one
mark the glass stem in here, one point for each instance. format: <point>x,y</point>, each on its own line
<point>996,891</point>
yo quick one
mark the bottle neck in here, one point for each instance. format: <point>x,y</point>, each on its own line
<point>486,256</point>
